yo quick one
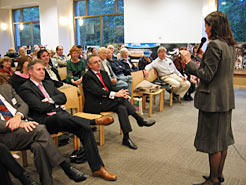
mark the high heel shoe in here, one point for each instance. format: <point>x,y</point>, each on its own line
<point>221,179</point>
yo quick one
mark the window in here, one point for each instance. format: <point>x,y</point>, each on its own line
<point>235,11</point>
<point>26,26</point>
<point>99,22</point>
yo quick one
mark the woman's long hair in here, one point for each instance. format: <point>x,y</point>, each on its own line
<point>220,27</point>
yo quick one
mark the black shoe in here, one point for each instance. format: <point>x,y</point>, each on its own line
<point>190,97</point>
<point>129,143</point>
<point>221,179</point>
<point>76,174</point>
<point>147,123</point>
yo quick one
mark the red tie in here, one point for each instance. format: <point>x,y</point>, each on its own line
<point>100,76</point>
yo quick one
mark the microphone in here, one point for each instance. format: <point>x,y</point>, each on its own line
<point>203,40</point>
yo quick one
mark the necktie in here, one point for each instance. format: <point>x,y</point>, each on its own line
<point>100,76</point>
<point>5,111</point>
<point>46,96</point>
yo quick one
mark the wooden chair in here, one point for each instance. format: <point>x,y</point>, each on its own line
<point>62,72</point>
<point>24,156</point>
<point>137,77</point>
<point>73,104</point>
<point>101,127</point>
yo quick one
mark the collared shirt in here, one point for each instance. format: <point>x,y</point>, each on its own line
<point>104,63</point>
<point>10,107</point>
<point>163,67</point>
<point>112,93</point>
<point>50,100</point>
<point>51,73</point>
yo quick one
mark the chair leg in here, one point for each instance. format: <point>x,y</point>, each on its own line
<point>101,135</point>
<point>150,105</point>
<point>154,99</point>
<point>121,132</point>
<point>162,100</point>
<point>144,101</point>
<point>171,99</point>
<point>76,142</point>
<point>24,158</point>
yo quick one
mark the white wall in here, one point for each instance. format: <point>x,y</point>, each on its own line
<point>5,35</point>
<point>163,21</point>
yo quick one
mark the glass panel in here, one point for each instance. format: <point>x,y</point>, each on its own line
<point>36,34</point>
<point>99,7</point>
<point>235,11</point>
<point>23,36</point>
<point>113,29</point>
<point>80,8</point>
<point>16,15</point>
<point>120,6</point>
<point>30,14</point>
<point>89,33</point>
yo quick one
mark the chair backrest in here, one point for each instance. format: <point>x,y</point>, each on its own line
<point>152,75</point>
<point>137,77</point>
<point>72,98</point>
<point>62,72</point>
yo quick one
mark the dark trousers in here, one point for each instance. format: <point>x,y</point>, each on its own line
<point>46,154</point>
<point>8,163</point>
<point>63,121</point>
<point>123,108</point>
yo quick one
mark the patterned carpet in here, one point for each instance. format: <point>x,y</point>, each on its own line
<point>165,154</point>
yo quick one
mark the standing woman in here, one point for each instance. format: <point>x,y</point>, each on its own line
<point>215,94</point>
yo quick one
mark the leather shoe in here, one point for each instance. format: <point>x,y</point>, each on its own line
<point>147,123</point>
<point>105,174</point>
<point>76,174</point>
<point>129,143</point>
<point>105,120</point>
<point>221,179</point>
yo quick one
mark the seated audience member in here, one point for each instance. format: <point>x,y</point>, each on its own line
<point>45,103</point>
<point>9,164</point>
<point>118,69</point>
<point>21,73</point>
<point>51,73</point>
<point>168,72</point>
<point>75,67</point>
<point>22,51</point>
<point>17,133</point>
<point>118,52</point>
<point>145,60</point>
<point>105,65</point>
<point>13,55</point>
<point>111,48</point>
<point>180,65</point>
<point>62,59</point>
<point>5,70</point>
<point>101,97</point>
<point>81,52</point>
<point>126,61</point>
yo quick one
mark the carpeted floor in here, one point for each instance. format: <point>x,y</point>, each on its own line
<point>165,154</point>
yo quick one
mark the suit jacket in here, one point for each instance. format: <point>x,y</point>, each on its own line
<point>126,67</point>
<point>215,92</point>
<point>32,95</point>
<point>94,91</point>
<point>112,74</point>
<point>47,77</point>
<point>14,99</point>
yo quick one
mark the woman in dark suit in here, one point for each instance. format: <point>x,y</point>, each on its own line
<point>215,95</point>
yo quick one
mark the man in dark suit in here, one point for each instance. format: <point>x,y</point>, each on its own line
<point>19,134</point>
<point>45,103</point>
<point>100,96</point>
